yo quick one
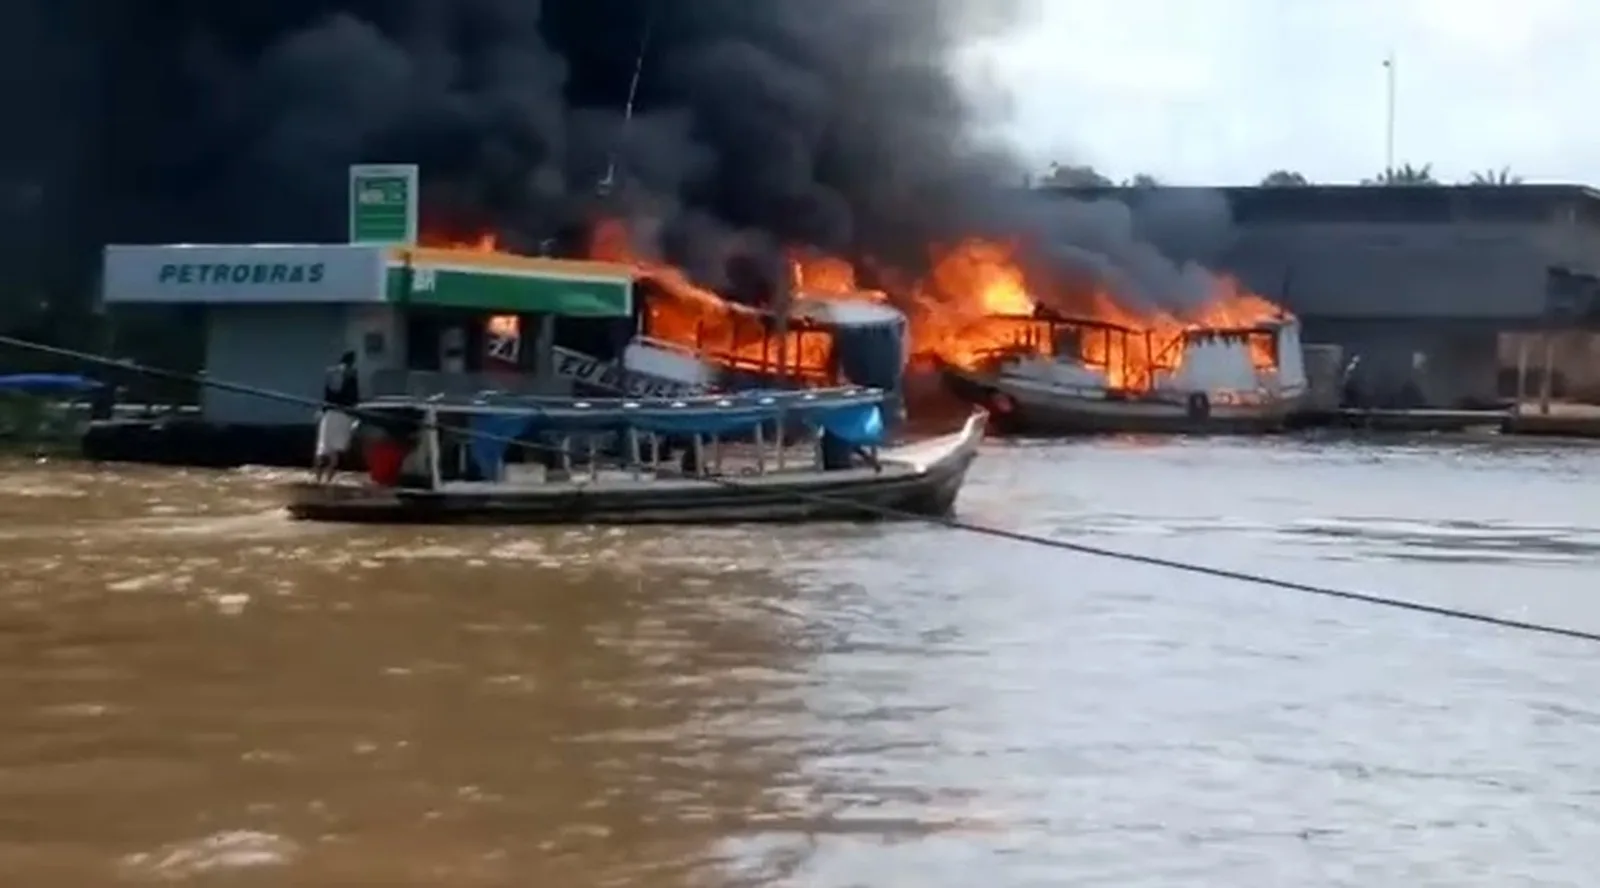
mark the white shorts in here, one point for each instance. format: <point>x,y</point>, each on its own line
<point>334,430</point>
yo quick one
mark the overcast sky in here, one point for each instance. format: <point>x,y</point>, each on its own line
<point>1224,91</point>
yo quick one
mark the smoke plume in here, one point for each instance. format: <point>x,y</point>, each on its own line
<point>1152,248</point>
<point>836,123</point>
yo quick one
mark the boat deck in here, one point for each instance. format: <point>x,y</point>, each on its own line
<point>739,466</point>
<point>667,480</point>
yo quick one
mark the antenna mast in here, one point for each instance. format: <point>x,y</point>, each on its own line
<point>610,180</point>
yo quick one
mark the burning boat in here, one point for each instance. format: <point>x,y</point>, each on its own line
<point>676,338</point>
<point>1071,359</point>
<point>1079,376</point>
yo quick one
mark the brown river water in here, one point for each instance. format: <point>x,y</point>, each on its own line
<point>194,690</point>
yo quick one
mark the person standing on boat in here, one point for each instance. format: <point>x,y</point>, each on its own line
<point>336,423</point>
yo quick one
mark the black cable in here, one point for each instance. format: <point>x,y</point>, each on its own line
<point>950,522</point>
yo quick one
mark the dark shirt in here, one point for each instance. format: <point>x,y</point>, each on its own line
<point>342,389</point>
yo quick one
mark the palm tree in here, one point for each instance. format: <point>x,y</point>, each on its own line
<point>1404,175</point>
<point>1284,179</point>
<point>1074,176</point>
<point>1501,176</point>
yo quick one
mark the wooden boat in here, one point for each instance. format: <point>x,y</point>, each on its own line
<point>519,460</point>
<point>1204,381</point>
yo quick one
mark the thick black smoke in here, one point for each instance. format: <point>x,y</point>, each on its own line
<point>837,123</point>
<point>1153,248</point>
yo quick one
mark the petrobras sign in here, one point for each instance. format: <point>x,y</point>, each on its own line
<point>257,274</point>
<point>243,274</point>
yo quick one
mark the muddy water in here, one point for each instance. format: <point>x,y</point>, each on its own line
<point>194,690</point>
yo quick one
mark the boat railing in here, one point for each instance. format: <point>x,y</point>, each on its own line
<point>474,438</point>
<point>779,353</point>
<point>796,372</point>
<point>764,365</point>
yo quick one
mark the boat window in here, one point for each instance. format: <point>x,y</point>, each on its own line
<point>1264,349</point>
<point>1067,341</point>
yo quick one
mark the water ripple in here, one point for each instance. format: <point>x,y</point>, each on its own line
<point>199,690</point>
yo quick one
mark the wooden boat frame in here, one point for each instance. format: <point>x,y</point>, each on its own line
<point>916,480</point>
<point>1025,407</point>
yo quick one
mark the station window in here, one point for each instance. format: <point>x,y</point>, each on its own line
<point>504,339</point>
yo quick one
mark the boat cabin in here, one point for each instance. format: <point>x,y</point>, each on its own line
<point>1096,357</point>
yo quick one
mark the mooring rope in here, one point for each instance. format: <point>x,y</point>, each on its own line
<point>869,509</point>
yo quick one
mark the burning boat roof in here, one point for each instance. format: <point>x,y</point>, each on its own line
<point>845,312</point>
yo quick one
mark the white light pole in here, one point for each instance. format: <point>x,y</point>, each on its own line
<point>1389,72</point>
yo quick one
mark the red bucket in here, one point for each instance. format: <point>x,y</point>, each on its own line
<point>384,458</point>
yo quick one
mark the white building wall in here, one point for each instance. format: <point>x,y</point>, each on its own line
<point>282,348</point>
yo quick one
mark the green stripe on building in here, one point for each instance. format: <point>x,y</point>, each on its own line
<point>520,292</point>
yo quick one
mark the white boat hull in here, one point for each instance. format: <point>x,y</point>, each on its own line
<point>1019,407</point>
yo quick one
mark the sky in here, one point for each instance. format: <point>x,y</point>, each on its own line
<point>1224,91</point>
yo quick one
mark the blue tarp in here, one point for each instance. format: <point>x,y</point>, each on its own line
<point>855,420</point>
<point>47,382</point>
<point>861,425</point>
<point>491,435</point>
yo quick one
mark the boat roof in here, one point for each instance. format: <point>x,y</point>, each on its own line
<point>1052,319</point>
<point>837,311</point>
<point>853,414</point>
<point>769,403</point>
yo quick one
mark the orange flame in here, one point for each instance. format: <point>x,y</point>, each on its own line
<point>976,305</point>
<point>973,305</point>
<point>689,315</point>
<point>485,242</point>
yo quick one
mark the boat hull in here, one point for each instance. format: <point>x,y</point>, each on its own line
<point>1029,411</point>
<point>903,489</point>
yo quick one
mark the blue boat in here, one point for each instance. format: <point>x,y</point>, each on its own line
<point>708,459</point>
<point>48,383</point>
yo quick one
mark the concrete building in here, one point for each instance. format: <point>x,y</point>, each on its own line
<point>1428,286</point>
<point>277,315</point>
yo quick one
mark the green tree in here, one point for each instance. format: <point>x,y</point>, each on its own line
<point>1074,176</point>
<point>1501,176</point>
<point>1404,175</point>
<point>1284,179</point>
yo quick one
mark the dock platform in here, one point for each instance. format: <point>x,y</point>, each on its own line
<point>1405,421</point>
<point>1566,420</point>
